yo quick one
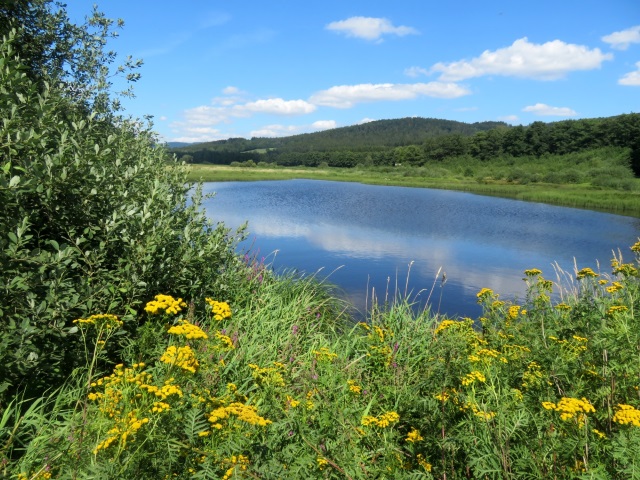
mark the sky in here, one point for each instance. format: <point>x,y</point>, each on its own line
<point>217,69</point>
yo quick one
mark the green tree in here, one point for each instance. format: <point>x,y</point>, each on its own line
<point>95,217</point>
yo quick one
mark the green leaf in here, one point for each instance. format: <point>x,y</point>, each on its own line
<point>15,180</point>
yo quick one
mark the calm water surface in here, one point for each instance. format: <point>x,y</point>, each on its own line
<point>371,239</point>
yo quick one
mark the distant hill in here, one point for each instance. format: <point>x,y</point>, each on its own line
<point>417,141</point>
<point>174,145</point>
<point>376,135</point>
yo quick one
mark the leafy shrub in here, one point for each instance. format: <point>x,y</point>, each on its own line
<point>95,218</point>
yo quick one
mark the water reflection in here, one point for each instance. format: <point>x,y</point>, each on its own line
<point>367,236</point>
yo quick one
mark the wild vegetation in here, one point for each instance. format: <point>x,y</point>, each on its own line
<point>136,343</point>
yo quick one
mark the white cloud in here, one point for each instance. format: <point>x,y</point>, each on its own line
<point>276,106</point>
<point>275,131</point>
<point>191,134</point>
<point>324,124</point>
<point>547,110</point>
<point>416,71</point>
<point>622,39</point>
<point>231,90</point>
<point>547,61</point>
<point>346,96</point>
<point>369,28</point>
<point>631,79</point>
<point>225,109</point>
<point>366,120</point>
<point>509,118</point>
<point>163,118</point>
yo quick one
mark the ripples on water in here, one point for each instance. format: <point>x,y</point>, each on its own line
<point>366,237</point>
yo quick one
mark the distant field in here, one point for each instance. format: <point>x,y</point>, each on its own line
<point>572,195</point>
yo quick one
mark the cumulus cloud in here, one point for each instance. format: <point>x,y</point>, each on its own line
<point>631,79</point>
<point>324,125</point>
<point>275,131</point>
<point>509,118</point>
<point>622,39</point>
<point>276,106</point>
<point>346,96</point>
<point>224,109</point>
<point>369,28</point>
<point>547,110</point>
<point>548,61</point>
<point>193,134</point>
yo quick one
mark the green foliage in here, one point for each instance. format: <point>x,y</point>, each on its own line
<point>288,387</point>
<point>94,218</point>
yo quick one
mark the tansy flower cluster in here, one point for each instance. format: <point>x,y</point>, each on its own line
<point>570,408</point>
<point>220,310</point>
<point>182,357</point>
<point>124,429</point>
<point>354,387</point>
<point>166,304</point>
<point>470,378</point>
<point>381,421</point>
<point>102,320</point>
<point>238,462</point>
<point>453,325</point>
<point>484,294</point>
<point>625,269</point>
<point>187,330</point>
<point>246,413</point>
<point>626,414</point>
<point>612,311</point>
<point>586,272</point>
<point>532,272</point>
<point>414,436</point>
<point>614,287</point>
<point>324,354</point>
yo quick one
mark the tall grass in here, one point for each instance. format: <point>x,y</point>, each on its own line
<point>285,385</point>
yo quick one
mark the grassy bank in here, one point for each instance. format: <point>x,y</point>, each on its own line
<point>280,384</point>
<point>583,195</point>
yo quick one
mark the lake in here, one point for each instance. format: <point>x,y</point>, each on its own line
<point>383,241</point>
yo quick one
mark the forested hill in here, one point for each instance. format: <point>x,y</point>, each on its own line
<point>418,141</point>
<point>378,134</point>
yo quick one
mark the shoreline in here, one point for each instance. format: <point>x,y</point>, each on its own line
<point>586,197</point>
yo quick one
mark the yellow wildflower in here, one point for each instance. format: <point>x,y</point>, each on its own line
<point>484,294</point>
<point>220,310</point>
<point>414,436</point>
<point>165,303</point>
<point>101,320</point>
<point>472,377</point>
<point>626,415</point>
<point>586,272</point>
<point>382,421</point>
<point>322,462</point>
<point>182,357</point>
<point>188,330</point>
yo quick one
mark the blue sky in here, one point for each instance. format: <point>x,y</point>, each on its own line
<point>218,69</point>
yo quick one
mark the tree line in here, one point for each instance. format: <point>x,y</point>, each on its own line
<point>394,142</point>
